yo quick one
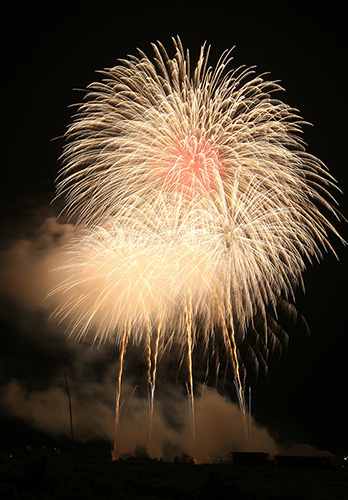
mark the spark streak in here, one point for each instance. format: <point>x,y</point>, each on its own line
<point>125,339</point>
<point>153,378</point>
<point>188,317</point>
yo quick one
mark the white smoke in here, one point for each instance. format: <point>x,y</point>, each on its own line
<point>26,265</point>
<point>219,428</point>
<point>26,278</point>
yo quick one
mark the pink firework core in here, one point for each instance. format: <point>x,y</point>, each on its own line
<point>191,167</point>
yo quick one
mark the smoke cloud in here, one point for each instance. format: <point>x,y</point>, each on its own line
<point>36,351</point>
<point>219,428</point>
<point>26,264</point>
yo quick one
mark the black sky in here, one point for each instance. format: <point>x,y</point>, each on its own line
<point>50,51</point>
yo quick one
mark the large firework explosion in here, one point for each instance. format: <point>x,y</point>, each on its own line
<point>200,209</point>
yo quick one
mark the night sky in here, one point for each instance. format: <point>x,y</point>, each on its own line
<point>50,52</point>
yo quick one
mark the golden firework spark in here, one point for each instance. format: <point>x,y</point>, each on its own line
<point>199,201</point>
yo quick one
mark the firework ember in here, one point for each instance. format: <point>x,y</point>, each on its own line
<point>200,205</point>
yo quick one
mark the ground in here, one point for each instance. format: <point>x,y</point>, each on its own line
<point>42,474</point>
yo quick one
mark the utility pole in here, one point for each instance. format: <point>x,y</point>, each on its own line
<point>70,410</point>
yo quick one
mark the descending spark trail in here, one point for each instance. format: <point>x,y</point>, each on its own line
<point>200,208</point>
<point>125,339</point>
<point>153,378</point>
<point>150,386</point>
<point>188,318</point>
<point>230,343</point>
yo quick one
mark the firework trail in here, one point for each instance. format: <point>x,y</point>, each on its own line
<point>200,205</point>
<point>125,339</point>
<point>189,338</point>
<point>152,379</point>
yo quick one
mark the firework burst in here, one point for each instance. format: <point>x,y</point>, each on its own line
<point>200,203</point>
